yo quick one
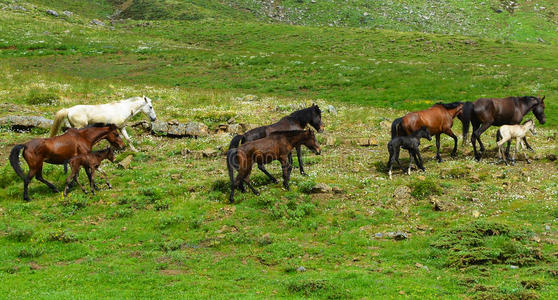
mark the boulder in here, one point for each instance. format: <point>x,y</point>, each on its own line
<point>235,128</point>
<point>125,163</point>
<point>365,142</point>
<point>52,12</point>
<point>25,123</point>
<point>321,188</point>
<point>194,129</point>
<point>97,22</point>
<point>209,153</point>
<point>331,109</point>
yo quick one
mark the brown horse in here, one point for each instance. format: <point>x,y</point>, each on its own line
<point>277,146</point>
<point>438,119</point>
<point>58,150</point>
<point>296,121</point>
<point>502,111</point>
<point>90,162</point>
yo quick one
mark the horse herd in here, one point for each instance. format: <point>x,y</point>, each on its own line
<point>265,144</point>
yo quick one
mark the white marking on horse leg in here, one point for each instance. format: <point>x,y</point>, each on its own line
<point>125,134</point>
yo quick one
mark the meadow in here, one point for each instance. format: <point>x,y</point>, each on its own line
<point>471,229</point>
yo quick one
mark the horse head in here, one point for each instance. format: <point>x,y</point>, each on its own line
<point>316,121</point>
<point>538,109</point>
<point>424,133</point>
<point>147,109</point>
<point>530,125</point>
<point>311,142</point>
<point>114,138</point>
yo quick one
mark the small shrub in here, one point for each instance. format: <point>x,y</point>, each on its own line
<point>61,236</point>
<point>168,221</point>
<point>123,212</point>
<point>172,245</point>
<point>37,97</point>
<point>306,186</point>
<point>422,189</point>
<point>532,284</point>
<point>162,204</point>
<point>221,185</point>
<point>48,217</point>
<point>20,234</point>
<point>30,252</point>
<point>195,222</point>
<point>152,193</point>
<point>308,287</point>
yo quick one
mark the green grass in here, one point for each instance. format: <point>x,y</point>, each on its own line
<point>166,229</point>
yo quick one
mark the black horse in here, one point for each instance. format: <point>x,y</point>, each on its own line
<point>488,112</point>
<point>296,121</point>
<point>410,143</point>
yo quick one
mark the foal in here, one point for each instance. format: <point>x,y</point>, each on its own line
<point>411,143</point>
<point>276,146</point>
<point>507,132</point>
<point>90,162</point>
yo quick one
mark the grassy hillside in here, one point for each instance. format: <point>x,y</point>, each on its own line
<point>473,229</point>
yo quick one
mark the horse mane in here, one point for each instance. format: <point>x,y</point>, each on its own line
<point>449,105</point>
<point>305,113</point>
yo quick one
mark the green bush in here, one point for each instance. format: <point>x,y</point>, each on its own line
<point>20,234</point>
<point>30,252</point>
<point>38,97</point>
<point>62,236</point>
<point>422,189</point>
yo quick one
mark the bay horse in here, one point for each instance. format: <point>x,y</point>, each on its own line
<point>410,143</point>
<point>276,146</point>
<point>90,162</point>
<point>298,120</point>
<point>517,132</point>
<point>437,119</point>
<point>502,111</point>
<point>59,150</point>
<point>117,113</point>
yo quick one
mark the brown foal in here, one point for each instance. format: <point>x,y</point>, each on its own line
<point>58,150</point>
<point>276,146</point>
<point>90,162</point>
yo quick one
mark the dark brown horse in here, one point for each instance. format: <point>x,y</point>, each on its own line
<point>502,111</point>
<point>296,121</point>
<point>277,146</point>
<point>58,150</point>
<point>438,119</point>
<point>90,162</point>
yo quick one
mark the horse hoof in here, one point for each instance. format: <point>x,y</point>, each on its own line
<point>453,154</point>
<point>27,199</point>
<point>303,174</point>
<point>275,181</point>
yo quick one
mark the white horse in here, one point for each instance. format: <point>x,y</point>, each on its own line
<point>507,132</point>
<point>117,113</point>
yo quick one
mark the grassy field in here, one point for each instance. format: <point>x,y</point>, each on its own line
<point>474,229</point>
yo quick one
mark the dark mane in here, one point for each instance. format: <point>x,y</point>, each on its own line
<point>305,114</point>
<point>528,98</point>
<point>449,105</point>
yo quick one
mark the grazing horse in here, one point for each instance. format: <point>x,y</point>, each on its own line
<point>276,146</point>
<point>410,143</point>
<point>507,132</point>
<point>90,162</point>
<point>502,111</point>
<point>117,113</point>
<point>58,150</point>
<point>438,119</point>
<point>295,121</point>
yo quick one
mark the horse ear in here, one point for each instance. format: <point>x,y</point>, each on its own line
<point>542,99</point>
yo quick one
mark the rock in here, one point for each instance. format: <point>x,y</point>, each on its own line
<point>337,190</point>
<point>185,152</point>
<point>194,129</point>
<point>235,128</point>
<point>402,192</point>
<point>52,12</point>
<point>97,22</point>
<point>330,141</point>
<point>514,267</point>
<point>476,213</point>
<point>551,157</point>
<point>25,123</point>
<point>366,14</point>
<point>223,128</point>
<point>209,153</point>
<point>372,141</point>
<point>230,121</point>
<point>18,7</point>
<point>541,40</point>
<point>301,269</point>
<point>330,108</point>
<point>68,13</point>
<point>246,127</point>
<point>250,98</point>
<point>547,227</point>
<point>379,235</point>
<point>125,163</point>
<point>365,142</point>
<point>398,236</point>
<point>321,188</point>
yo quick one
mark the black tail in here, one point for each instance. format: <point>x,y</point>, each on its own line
<point>237,139</point>
<point>467,112</point>
<point>14,160</point>
<point>231,159</point>
<point>395,127</point>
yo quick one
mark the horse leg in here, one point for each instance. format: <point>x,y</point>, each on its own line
<point>287,168</point>
<point>477,133</point>
<point>454,137</point>
<point>125,134</point>
<point>527,144</point>
<point>438,156</point>
<point>26,181</point>
<point>522,148</point>
<point>299,156</point>
<point>390,162</point>
<point>41,179</point>
<point>418,159</point>
<point>262,168</point>
<point>90,177</point>
<point>410,162</point>
<point>105,176</point>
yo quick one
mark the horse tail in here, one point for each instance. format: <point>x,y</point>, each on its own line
<point>237,139</point>
<point>58,118</point>
<point>14,160</point>
<point>467,112</point>
<point>395,127</point>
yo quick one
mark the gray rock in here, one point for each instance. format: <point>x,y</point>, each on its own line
<point>330,108</point>
<point>97,22</point>
<point>18,7</point>
<point>321,188</point>
<point>125,163</point>
<point>301,269</point>
<point>379,235</point>
<point>235,128</point>
<point>52,12</point>
<point>402,192</point>
<point>25,123</point>
<point>194,129</point>
<point>514,267</point>
<point>547,227</point>
<point>209,153</point>
<point>68,13</point>
<point>398,236</point>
